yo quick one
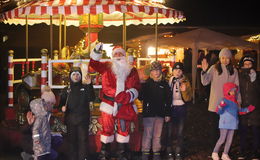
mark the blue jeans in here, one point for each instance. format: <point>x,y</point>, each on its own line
<point>152,133</point>
<point>178,118</point>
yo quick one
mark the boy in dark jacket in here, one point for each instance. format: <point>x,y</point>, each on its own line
<point>249,89</point>
<point>156,96</point>
<point>75,101</point>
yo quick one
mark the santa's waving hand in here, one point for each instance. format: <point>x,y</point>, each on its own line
<point>120,85</point>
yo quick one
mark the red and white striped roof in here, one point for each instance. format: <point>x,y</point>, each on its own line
<point>138,12</point>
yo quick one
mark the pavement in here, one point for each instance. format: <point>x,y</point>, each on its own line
<point>196,143</point>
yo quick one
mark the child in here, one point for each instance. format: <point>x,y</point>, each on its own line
<point>181,94</point>
<point>228,110</point>
<point>41,133</point>
<point>250,90</point>
<point>156,96</point>
<point>74,102</point>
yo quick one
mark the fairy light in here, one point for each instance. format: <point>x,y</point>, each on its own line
<point>254,38</point>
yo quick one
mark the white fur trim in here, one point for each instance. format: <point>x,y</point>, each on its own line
<point>120,85</point>
<point>115,109</point>
<point>122,139</point>
<point>105,107</point>
<point>133,93</point>
<point>119,50</point>
<point>135,108</point>
<point>95,56</point>
<point>107,139</point>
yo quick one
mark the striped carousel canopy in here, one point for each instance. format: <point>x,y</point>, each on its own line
<point>136,12</point>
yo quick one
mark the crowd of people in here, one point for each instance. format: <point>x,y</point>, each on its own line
<point>233,104</point>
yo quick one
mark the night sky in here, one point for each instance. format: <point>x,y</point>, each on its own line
<point>219,12</point>
<point>228,16</point>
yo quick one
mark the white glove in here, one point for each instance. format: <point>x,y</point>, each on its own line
<point>98,48</point>
<point>252,75</point>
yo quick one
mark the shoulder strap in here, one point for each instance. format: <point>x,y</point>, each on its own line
<point>172,83</point>
<point>68,91</point>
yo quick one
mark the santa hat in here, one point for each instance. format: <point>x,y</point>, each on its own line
<point>118,49</point>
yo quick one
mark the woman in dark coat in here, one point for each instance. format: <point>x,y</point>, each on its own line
<point>250,91</point>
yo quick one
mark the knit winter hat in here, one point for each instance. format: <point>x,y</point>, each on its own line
<point>118,49</point>
<point>178,65</point>
<point>225,52</point>
<point>248,58</point>
<point>155,65</point>
<point>75,70</point>
<point>48,95</point>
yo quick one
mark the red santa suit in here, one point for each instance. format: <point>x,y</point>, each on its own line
<point>118,97</point>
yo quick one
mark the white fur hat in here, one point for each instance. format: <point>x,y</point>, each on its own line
<point>225,52</point>
<point>118,49</point>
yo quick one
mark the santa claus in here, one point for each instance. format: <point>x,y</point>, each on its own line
<point>120,84</point>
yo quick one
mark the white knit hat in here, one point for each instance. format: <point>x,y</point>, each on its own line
<point>225,52</point>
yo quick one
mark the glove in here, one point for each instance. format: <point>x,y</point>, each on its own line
<point>222,104</point>
<point>251,108</point>
<point>123,97</point>
<point>98,48</point>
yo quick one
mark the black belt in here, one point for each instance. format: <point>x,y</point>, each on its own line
<point>109,98</point>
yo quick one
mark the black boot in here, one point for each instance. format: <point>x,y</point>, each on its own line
<point>104,152</point>
<point>145,155</point>
<point>122,151</point>
<point>156,156</point>
<point>169,154</point>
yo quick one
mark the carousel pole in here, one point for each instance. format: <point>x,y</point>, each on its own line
<point>26,44</point>
<point>51,37</point>
<point>44,64</point>
<point>156,38</point>
<point>10,78</point>
<point>65,32</point>
<point>89,43</point>
<point>258,57</point>
<point>124,31</point>
<point>60,32</point>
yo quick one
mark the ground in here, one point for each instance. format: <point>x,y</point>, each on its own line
<point>196,137</point>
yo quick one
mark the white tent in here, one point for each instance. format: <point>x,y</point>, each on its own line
<point>203,38</point>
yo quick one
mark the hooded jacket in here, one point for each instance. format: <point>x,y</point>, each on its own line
<point>76,98</point>
<point>229,113</point>
<point>41,132</point>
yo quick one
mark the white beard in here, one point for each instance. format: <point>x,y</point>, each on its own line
<point>121,68</point>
